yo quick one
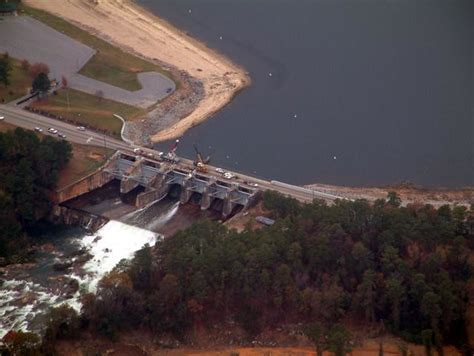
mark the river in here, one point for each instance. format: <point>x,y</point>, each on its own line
<point>348,92</point>
<point>28,291</point>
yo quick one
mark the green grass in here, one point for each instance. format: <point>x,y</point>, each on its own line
<point>20,82</point>
<point>89,110</point>
<point>110,64</point>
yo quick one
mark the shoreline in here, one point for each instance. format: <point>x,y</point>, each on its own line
<point>409,194</point>
<point>208,79</point>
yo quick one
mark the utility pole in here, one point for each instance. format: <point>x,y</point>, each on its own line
<point>105,148</point>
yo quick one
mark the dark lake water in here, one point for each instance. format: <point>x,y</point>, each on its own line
<point>382,90</point>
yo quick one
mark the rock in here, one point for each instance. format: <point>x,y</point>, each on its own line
<point>72,287</point>
<point>75,253</point>
<point>62,265</point>
<point>28,298</point>
<point>83,259</point>
<point>48,247</point>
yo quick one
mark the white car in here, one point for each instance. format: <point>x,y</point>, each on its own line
<point>81,128</point>
<point>38,129</point>
<point>52,130</point>
<point>220,170</point>
<point>2,118</point>
<point>228,175</point>
<point>253,185</point>
<point>61,135</point>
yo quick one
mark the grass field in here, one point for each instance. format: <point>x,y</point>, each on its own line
<point>19,82</point>
<point>89,110</point>
<point>110,64</point>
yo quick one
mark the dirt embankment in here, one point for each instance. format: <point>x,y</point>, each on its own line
<point>208,80</point>
<point>409,194</point>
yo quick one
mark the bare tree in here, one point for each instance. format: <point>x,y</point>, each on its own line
<point>38,68</point>
<point>25,65</point>
<point>64,81</point>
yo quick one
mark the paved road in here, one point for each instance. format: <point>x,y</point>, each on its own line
<point>28,120</point>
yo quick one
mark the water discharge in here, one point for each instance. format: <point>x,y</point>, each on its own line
<point>24,300</point>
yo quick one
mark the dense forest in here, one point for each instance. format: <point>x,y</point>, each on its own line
<point>29,168</point>
<point>405,267</point>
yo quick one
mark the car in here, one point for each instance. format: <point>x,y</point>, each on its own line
<point>228,175</point>
<point>81,128</point>
<point>38,129</point>
<point>220,170</point>
<point>52,130</point>
<point>2,118</point>
<point>61,135</point>
<point>137,151</point>
<point>253,184</point>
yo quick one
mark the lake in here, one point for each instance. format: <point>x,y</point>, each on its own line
<point>349,92</point>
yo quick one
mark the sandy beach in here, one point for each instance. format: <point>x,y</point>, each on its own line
<point>130,27</point>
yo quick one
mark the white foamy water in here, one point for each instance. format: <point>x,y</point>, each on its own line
<point>110,244</point>
<point>21,300</point>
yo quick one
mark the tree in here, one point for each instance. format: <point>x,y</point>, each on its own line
<point>5,69</point>
<point>41,84</point>
<point>21,343</point>
<point>394,199</point>
<point>317,335</point>
<point>64,82</point>
<point>100,95</point>
<point>38,68</point>
<point>366,295</point>
<point>339,340</point>
<point>395,293</point>
<point>63,323</point>
<point>25,65</point>
<point>427,339</point>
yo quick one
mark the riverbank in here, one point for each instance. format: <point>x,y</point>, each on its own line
<point>408,194</point>
<point>209,80</point>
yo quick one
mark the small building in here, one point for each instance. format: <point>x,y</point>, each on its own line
<point>265,221</point>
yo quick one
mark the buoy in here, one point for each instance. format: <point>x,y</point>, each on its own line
<point>295,116</point>
<point>220,37</point>
<point>189,11</point>
<point>270,74</point>
<point>335,157</point>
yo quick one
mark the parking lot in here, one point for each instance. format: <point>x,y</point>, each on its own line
<point>26,38</point>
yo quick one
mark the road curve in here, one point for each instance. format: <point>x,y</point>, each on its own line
<point>29,120</point>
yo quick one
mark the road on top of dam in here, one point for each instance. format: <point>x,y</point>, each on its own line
<point>29,120</point>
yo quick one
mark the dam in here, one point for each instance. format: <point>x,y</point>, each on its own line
<point>146,181</point>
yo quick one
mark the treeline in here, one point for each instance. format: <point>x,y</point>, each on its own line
<point>29,168</point>
<point>405,267</point>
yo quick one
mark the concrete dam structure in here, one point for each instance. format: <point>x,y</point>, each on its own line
<point>155,179</point>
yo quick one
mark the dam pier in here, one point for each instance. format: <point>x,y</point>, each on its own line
<point>146,180</point>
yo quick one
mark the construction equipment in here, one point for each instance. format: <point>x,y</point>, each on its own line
<point>201,162</point>
<point>171,155</point>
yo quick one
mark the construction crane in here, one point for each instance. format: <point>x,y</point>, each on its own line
<point>201,162</point>
<point>171,155</point>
